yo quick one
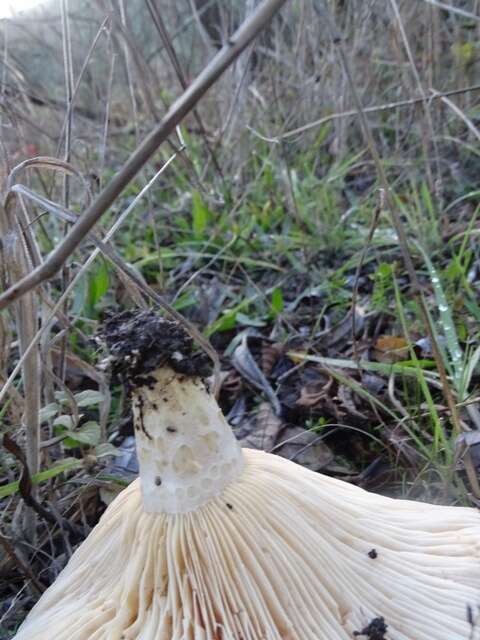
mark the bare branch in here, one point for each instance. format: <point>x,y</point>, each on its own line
<point>452,9</point>
<point>437,95</point>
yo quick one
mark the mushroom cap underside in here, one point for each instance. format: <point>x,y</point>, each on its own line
<point>282,554</point>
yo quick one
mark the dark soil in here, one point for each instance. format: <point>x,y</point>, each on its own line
<point>141,341</point>
<point>376,630</point>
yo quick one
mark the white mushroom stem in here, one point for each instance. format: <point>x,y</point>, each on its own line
<point>186,449</point>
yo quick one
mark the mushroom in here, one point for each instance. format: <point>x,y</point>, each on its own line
<point>213,542</point>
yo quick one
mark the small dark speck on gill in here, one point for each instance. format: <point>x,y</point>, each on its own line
<point>373,554</point>
<point>229,506</point>
<point>158,481</point>
<point>376,630</point>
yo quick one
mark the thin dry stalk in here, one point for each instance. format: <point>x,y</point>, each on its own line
<point>427,125</point>
<point>26,312</point>
<point>354,113</point>
<point>23,566</point>
<point>133,60</point>
<point>108,102</point>
<point>467,121</point>
<point>403,242</point>
<point>224,58</point>
<point>452,9</point>
<point>69,84</point>
<point>68,116</point>
<point>162,30</point>
<point>128,69</point>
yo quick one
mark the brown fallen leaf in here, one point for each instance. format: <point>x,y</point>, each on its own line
<point>264,430</point>
<point>346,397</point>
<point>303,447</point>
<point>269,356</point>
<point>231,382</point>
<point>344,328</point>
<point>390,349</point>
<point>312,393</point>
<point>469,441</point>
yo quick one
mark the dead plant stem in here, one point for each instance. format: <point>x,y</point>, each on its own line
<point>183,105</point>
<point>403,242</point>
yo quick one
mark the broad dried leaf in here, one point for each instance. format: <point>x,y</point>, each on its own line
<point>266,428</point>
<point>270,355</point>
<point>78,367</point>
<point>126,464</point>
<point>260,432</point>
<point>237,412</point>
<point>468,441</point>
<point>109,492</point>
<point>313,393</point>
<point>245,364</point>
<point>401,442</point>
<point>373,384</point>
<point>232,382</point>
<point>347,398</point>
<point>304,447</point>
<point>244,430</point>
<point>344,329</point>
